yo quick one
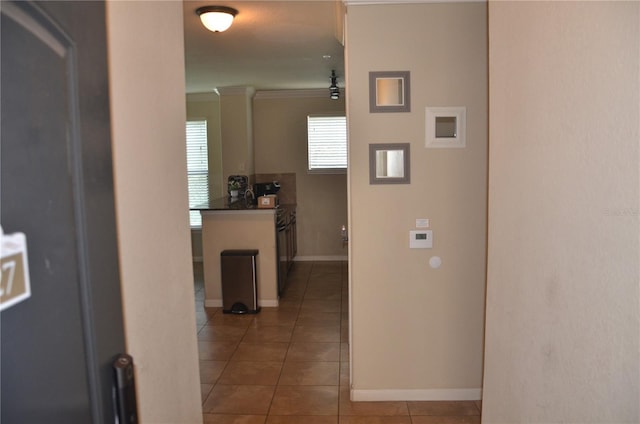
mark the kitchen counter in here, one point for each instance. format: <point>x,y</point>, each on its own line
<point>241,225</point>
<point>228,204</point>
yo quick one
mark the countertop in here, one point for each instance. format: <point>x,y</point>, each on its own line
<point>228,204</point>
<point>225,204</point>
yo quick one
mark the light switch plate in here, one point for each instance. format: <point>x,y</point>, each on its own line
<point>421,239</point>
<point>422,223</point>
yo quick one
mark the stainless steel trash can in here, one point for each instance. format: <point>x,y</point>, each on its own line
<point>239,281</point>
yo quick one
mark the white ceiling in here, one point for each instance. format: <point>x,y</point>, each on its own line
<point>271,45</point>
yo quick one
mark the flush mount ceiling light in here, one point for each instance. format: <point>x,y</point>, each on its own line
<point>334,91</point>
<point>216,18</point>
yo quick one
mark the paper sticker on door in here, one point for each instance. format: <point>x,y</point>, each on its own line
<point>14,282</point>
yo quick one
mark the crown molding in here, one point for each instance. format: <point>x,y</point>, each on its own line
<point>235,91</point>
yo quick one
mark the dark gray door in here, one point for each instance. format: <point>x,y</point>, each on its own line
<point>57,187</point>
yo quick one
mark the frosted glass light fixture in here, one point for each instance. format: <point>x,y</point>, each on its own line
<point>216,18</point>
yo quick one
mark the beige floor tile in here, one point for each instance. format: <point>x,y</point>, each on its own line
<point>325,270</point>
<point>216,333</point>
<point>212,311</point>
<point>309,374</point>
<point>268,333</point>
<point>216,351</point>
<point>344,334</point>
<point>286,365</point>
<point>292,305</point>
<point>308,419</point>
<point>295,287</point>
<point>305,400</point>
<point>318,292</point>
<point>334,285</point>
<point>251,373</point>
<point>434,419</point>
<point>292,301</point>
<point>296,280</point>
<point>276,316</point>
<point>370,408</point>
<point>289,304</point>
<point>266,351</point>
<point>204,390</point>
<point>444,408</point>
<point>248,400</point>
<point>231,320</point>
<point>333,282</point>
<point>318,318</point>
<point>316,333</point>
<point>345,377</point>
<point>345,419</point>
<point>210,371</point>
<point>316,305</point>
<point>325,279</point>
<point>306,351</point>
<point>344,352</point>
<point>233,419</point>
<point>201,318</point>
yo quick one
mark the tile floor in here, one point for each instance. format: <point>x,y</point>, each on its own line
<point>290,364</point>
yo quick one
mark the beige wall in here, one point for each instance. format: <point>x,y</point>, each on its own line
<point>417,332</point>
<point>280,141</point>
<point>236,128</point>
<point>563,319</point>
<point>148,112</point>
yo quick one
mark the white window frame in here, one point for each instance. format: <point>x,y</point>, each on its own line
<point>197,167</point>
<point>327,147</point>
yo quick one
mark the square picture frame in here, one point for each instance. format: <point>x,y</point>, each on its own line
<point>389,91</point>
<point>389,163</point>
<point>445,127</point>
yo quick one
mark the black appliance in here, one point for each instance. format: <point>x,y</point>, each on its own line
<point>262,189</point>
<point>281,248</point>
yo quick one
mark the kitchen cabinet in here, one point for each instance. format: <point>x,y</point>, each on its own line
<point>237,226</point>
<point>240,225</point>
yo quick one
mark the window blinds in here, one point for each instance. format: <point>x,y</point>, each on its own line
<point>197,168</point>
<point>327,143</point>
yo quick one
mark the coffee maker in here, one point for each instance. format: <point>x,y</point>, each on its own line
<point>263,189</point>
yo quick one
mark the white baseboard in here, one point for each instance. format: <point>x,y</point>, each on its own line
<point>217,303</point>
<point>415,395</point>
<point>320,258</point>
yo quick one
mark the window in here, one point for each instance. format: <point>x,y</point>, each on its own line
<point>197,168</point>
<point>327,144</point>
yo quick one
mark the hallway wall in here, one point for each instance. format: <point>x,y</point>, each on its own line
<point>563,319</point>
<point>148,114</point>
<point>417,332</point>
